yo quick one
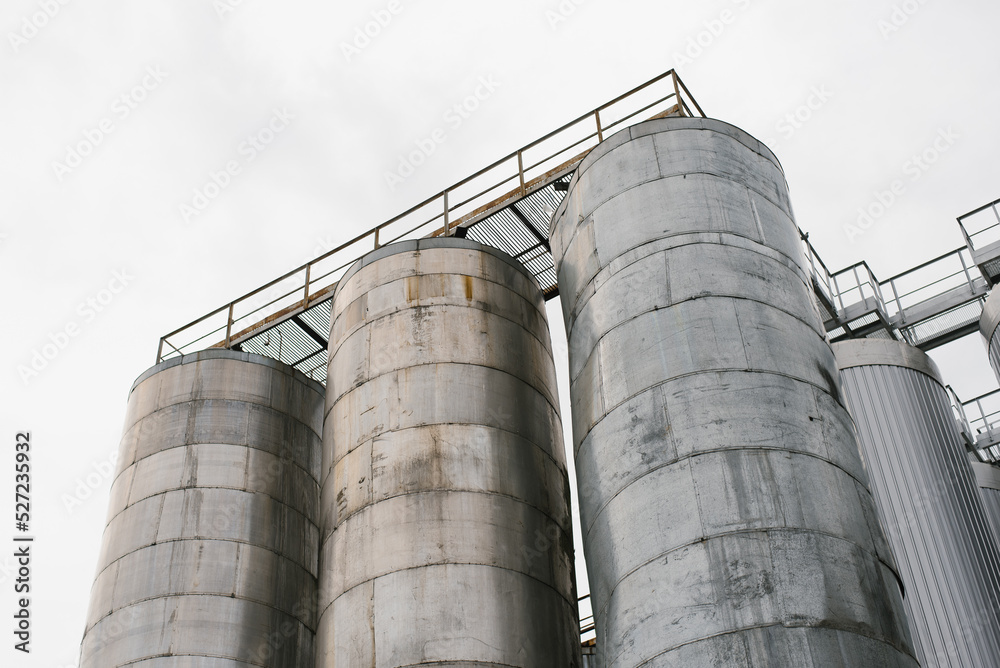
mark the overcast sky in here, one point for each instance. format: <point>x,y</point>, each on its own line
<point>114,113</point>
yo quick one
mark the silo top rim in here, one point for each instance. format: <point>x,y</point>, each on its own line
<point>991,315</point>
<point>234,355</point>
<point>667,124</point>
<point>415,245</point>
<point>879,352</point>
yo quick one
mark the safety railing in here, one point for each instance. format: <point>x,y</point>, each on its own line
<point>981,227</point>
<point>983,415</point>
<point>515,176</point>
<point>961,420</point>
<point>822,279</point>
<point>928,301</point>
<point>587,628</point>
<point>856,285</point>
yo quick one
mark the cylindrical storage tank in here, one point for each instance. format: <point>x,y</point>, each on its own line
<point>928,501</point>
<point>211,551</point>
<point>988,326</point>
<point>988,479</point>
<point>446,536</point>
<point>726,514</point>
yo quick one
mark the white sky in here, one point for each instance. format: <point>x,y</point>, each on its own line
<point>222,75</point>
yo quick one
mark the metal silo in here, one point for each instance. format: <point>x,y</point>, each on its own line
<point>726,514</point>
<point>988,479</point>
<point>210,552</point>
<point>446,536</point>
<point>988,326</point>
<point>928,501</point>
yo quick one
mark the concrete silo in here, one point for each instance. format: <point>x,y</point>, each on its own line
<point>726,513</point>
<point>446,536</point>
<point>928,501</point>
<point>210,553</point>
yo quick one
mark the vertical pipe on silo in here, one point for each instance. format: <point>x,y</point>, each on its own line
<point>446,535</point>
<point>928,501</point>
<point>211,548</point>
<point>726,513</point>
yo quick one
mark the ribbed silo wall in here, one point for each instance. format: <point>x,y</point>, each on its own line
<point>988,327</point>
<point>726,514</point>
<point>210,554</point>
<point>928,501</point>
<point>988,479</point>
<point>446,534</point>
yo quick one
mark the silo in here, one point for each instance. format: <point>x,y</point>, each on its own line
<point>210,553</point>
<point>726,514</point>
<point>988,479</point>
<point>988,327</point>
<point>446,537</point>
<point>928,501</point>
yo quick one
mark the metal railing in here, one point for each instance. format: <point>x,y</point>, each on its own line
<point>983,418</point>
<point>855,286</point>
<point>822,279</point>
<point>922,303</point>
<point>981,227</point>
<point>958,412</point>
<point>587,627</point>
<point>514,176</point>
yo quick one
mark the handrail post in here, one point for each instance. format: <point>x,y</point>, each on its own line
<point>447,222</point>
<point>229,324</point>
<point>377,230</point>
<point>965,233</point>
<point>600,131</point>
<point>305,297</point>
<point>968,276</point>
<point>899,304</point>
<point>520,170</point>
<point>677,92</point>
<point>839,295</point>
<point>159,352</point>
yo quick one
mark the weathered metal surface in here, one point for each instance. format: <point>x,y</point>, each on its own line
<point>726,514</point>
<point>928,502</point>
<point>210,553</point>
<point>446,536</point>
<point>988,479</point>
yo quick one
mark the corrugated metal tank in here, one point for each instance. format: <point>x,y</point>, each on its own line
<point>928,501</point>
<point>988,479</point>
<point>446,520</point>
<point>726,513</point>
<point>988,327</point>
<point>211,549</point>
